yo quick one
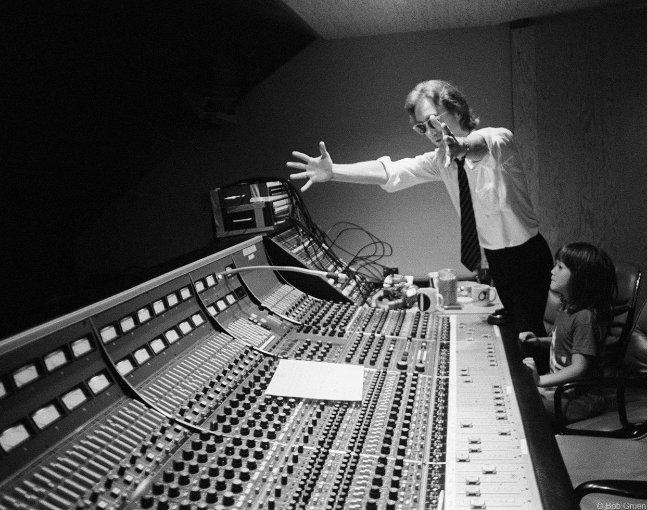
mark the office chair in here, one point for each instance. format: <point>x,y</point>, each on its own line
<point>594,452</point>
<point>625,390</point>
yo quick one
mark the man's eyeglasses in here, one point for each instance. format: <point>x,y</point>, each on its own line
<point>422,127</point>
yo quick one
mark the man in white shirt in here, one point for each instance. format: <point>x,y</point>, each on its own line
<point>519,258</point>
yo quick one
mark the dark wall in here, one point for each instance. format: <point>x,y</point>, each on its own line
<point>94,96</point>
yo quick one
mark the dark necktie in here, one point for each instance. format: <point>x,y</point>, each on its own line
<point>470,254</point>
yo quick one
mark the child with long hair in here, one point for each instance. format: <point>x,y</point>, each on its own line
<point>585,279</point>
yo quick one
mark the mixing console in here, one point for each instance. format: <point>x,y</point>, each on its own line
<point>156,398</point>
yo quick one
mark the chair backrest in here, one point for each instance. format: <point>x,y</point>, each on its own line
<point>635,357</point>
<point>623,313</point>
<point>628,281</point>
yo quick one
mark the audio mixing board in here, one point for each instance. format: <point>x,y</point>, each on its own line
<point>155,398</point>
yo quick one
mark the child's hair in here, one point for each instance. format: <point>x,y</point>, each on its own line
<point>593,278</point>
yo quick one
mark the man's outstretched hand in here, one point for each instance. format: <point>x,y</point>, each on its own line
<point>319,169</point>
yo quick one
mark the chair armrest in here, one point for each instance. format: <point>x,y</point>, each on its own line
<point>627,430</point>
<point>626,488</point>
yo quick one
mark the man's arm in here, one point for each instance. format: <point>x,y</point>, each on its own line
<point>322,169</point>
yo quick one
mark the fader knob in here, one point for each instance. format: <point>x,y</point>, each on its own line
<point>228,498</point>
<point>147,501</point>
<point>211,496</point>
<point>204,482</point>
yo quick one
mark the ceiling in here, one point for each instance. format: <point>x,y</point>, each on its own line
<point>353,18</point>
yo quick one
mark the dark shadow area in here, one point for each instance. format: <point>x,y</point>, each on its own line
<point>93,96</point>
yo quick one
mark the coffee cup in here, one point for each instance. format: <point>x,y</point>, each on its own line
<point>429,299</point>
<point>433,279</point>
<point>483,295</point>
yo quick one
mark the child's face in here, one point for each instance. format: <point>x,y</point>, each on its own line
<point>560,276</point>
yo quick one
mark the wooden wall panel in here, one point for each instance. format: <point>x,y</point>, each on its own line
<point>579,88</point>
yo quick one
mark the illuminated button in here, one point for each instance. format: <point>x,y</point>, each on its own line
<point>98,383</point>
<point>200,286</point>
<point>197,319</point>
<point>466,424</point>
<point>125,366</point>
<point>143,315</point>
<point>185,293</point>
<point>220,304</point>
<point>157,345</point>
<point>210,280</point>
<point>172,299</point>
<point>142,356</point>
<point>108,334</point>
<point>477,503</point>
<point>45,416</point>
<point>25,374</point>
<point>55,359</point>
<point>159,307</point>
<point>127,324</point>
<point>185,327</point>
<point>81,347</point>
<point>489,469</point>
<point>212,311</point>
<point>13,436</point>
<point>473,491</point>
<point>504,432</point>
<point>171,336</point>
<point>230,299</point>
<point>463,457</point>
<point>73,399</point>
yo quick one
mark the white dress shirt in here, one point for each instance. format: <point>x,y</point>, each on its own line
<point>498,187</point>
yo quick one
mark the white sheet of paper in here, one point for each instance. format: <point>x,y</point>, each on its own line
<point>317,380</point>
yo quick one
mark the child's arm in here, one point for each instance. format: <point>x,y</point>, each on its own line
<point>578,368</point>
<point>529,337</point>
